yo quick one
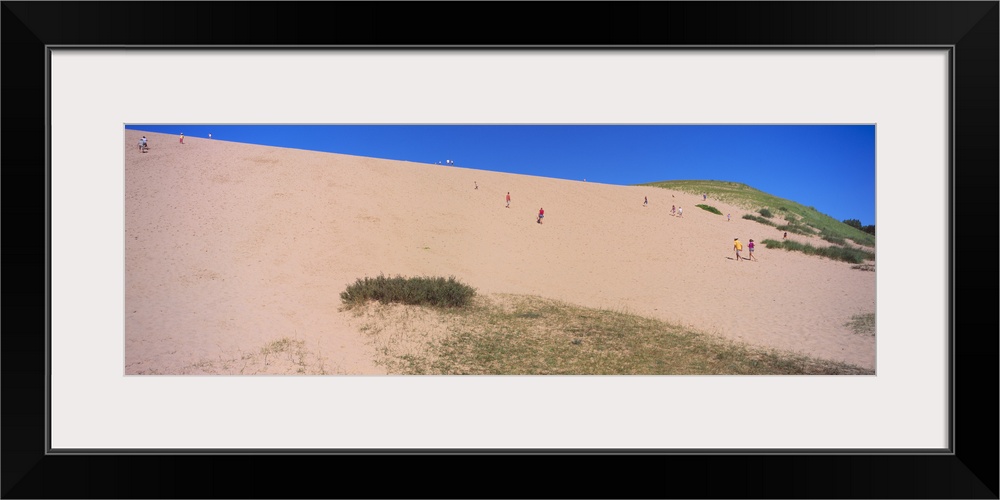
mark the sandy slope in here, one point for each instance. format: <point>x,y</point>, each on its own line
<point>230,247</point>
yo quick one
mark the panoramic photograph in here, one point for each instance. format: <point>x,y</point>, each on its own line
<point>353,250</point>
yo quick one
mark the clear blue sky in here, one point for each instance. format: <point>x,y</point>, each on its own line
<point>829,167</point>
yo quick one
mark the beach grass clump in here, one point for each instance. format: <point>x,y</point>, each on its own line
<point>836,240</point>
<point>851,255</point>
<point>844,254</point>
<point>525,335</point>
<point>764,212</point>
<point>422,291</point>
<point>862,324</point>
<point>709,208</point>
<point>758,219</point>
<point>795,227</point>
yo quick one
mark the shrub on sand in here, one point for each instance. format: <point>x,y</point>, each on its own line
<point>430,291</point>
<point>709,209</point>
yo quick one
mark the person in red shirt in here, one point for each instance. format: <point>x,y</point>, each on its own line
<point>508,199</point>
<point>541,215</point>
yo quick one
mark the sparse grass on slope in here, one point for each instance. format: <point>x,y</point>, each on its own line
<point>863,324</point>
<point>852,255</point>
<point>800,219</point>
<point>759,219</point>
<point>519,335</point>
<point>282,356</point>
<point>439,292</point>
<point>797,229</point>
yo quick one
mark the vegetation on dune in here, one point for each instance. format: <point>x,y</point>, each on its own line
<point>862,324</point>
<point>759,219</point>
<point>430,291</point>
<point>833,239</point>
<point>733,193</point>
<point>282,356</point>
<point>852,255</point>
<point>709,208</point>
<point>796,228</point>
<point>799,219</point>
<point>522,335</point>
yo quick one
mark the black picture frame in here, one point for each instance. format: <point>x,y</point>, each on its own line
<point>970,28</point>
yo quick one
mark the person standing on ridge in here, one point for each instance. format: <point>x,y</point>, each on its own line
<point>182,137</point>
<point>508,199</point>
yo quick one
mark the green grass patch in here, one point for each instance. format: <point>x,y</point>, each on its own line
<point>852,255</point>
<point>794,224</point>
<point>833,239</point>
<point>866,239</point>
<point>521,335</point>
<point>765,213</point>
<point>758,219</point>
<point>709,208</point>
<point>797,229</point>
<point>429,291</point>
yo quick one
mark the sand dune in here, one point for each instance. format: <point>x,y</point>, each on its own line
<point>231,247</point>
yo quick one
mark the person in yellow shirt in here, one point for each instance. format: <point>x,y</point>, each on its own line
<point>738,246</point>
